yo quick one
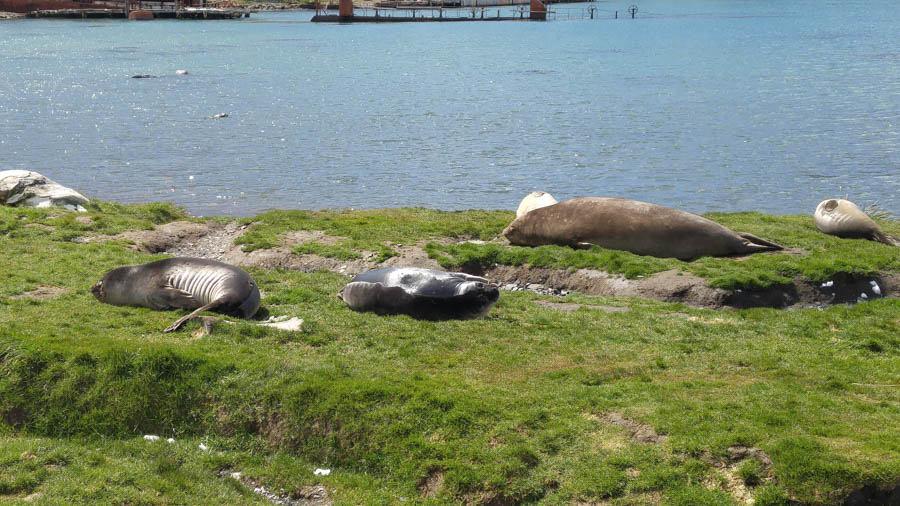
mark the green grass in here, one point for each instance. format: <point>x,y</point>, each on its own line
<point>505,408</point>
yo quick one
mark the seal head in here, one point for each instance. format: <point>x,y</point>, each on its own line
<point>425,294</point>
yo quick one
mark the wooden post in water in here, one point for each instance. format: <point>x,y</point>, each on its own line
<point>345,8</point>
<point>537,10</point>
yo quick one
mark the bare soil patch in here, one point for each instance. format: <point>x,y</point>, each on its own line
<point>215,240</point>
<point>431,484</point>
<point>571,306</point>
<point>640,432</point>
<point>41,292</point>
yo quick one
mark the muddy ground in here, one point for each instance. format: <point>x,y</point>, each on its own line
<point>216,241</point>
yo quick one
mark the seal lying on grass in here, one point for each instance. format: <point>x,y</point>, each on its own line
<point>844,219</point>
<point>425,294</point>
<point>182,283</point>
<point>535,200</point>
<point>630,225</point>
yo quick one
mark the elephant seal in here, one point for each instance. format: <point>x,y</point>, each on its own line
<point>183,283</point>
<point>844,219</point>
<point>630,225</point>
<point>425,294</point>
<point>535,200</point>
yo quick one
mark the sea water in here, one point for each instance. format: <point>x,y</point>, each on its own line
<point>704,105</point>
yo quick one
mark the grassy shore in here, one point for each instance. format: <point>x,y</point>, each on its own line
<point>655,403</point>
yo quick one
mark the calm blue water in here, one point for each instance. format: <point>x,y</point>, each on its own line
<point>705,105</point>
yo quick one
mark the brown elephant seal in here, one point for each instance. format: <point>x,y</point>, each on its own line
<point>181,283</point>
<point>425,294</point>
<point>630,225</point>
<point>535,200</point>
<point>844,219</point>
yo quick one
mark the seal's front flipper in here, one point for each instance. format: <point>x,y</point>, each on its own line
<point>195,314</point>
<point>758,244</point>
<point>170,297</point>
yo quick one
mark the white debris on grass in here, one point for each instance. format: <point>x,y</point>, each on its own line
<point>284,323</point>
<point>203,447</point>
<point>322,472</point>
<point>171,440</point>
<point>151,437</point>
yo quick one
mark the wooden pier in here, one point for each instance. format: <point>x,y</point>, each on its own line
<point>537,11</point>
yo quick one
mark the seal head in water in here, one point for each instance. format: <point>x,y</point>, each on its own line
<point>181,283</point>
<point>424,294</point>
<point>843,218</point>
<point>630,225</point>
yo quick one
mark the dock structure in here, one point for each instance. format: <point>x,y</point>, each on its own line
<point>537,11</point>
<point>131,9</point>
<point>185,13</point>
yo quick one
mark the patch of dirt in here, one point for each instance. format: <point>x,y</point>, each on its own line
<point>728,468</point>
<point>282,257</point>
<point>872,496</point>
<point>41,292</point>
<point>215,240</point>
<point>669,286</point>
<point>315,495</point>
<point>571,306</point>
<point>431,484</point>
<point>640,432</point>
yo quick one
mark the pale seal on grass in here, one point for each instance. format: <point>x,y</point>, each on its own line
<point>425,294</point>
<point>844,219</point>
<point>630,225</point>
<point>535,200</point>
<point>181,283</point>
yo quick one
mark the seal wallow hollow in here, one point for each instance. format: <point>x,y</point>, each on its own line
<point>534,200</point>
<point>425,294</point>
<point>842,218</point>
<point>183,283</point>
<point>630,225</point>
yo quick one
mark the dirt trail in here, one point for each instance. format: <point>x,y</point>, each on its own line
<point>216,241</point>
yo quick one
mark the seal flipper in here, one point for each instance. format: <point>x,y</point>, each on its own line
<point>169,297</point>
<point>885,238</point>
<point>758,244</point>
<point>194,314</point>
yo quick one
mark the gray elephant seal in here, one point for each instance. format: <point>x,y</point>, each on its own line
<point>630,225</point>
<point>182,283</point>
<point>844,219</point>
<point>534,200</point>
<point>424,294</point>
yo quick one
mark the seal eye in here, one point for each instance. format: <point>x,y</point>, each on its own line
<point>479,285</point>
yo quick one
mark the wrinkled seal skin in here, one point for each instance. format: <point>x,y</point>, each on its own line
<point>181,283</point>
<point>630,225</point>
<point>842,218</point>
<point>534,200</point>
<point>425,294</point>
